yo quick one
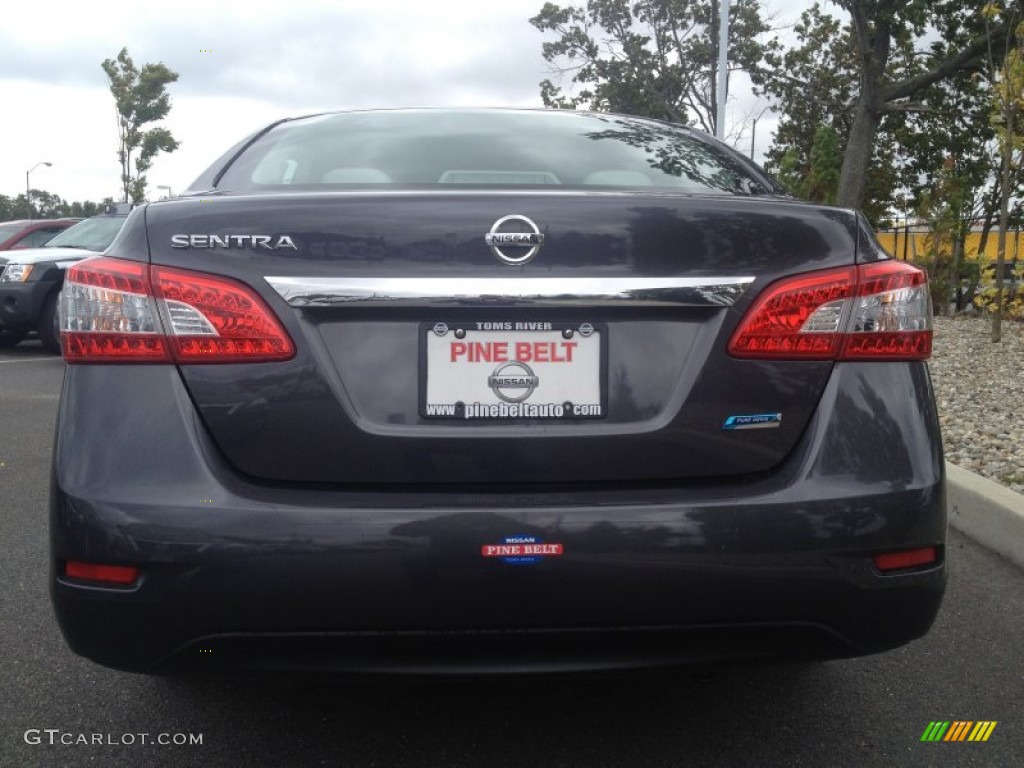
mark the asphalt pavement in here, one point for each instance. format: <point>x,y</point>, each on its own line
<point>58,709</point>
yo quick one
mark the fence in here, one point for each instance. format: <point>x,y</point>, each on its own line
<point>910,244</point>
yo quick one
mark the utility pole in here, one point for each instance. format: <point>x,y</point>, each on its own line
<point>753,130</point>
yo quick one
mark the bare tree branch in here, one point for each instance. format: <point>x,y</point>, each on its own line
<point>974,52</point>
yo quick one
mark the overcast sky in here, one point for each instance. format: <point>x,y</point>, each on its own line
<point>244,64</point>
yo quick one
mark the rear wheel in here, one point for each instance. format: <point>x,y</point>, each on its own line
<point>49,324</point>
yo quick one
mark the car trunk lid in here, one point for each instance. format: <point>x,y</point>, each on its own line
<point>398,304</point>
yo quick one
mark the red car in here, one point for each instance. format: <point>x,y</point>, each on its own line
<point>31,233</point>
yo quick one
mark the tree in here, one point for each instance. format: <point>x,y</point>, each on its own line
<point>653,58</point>
<point>953,168</point>
<point>140,98</point>
<point>87,208</point>
<point>47,206</point>
<point>877,26</point>
<point>789,173</point>
<point>813,86</point>
<point>1008,120</point>
<point>819,179</point>
<point>823,177</point>
<point>944,206</point>
<point>818,82</point>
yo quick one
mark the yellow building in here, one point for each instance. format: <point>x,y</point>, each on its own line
<point>913,245</point>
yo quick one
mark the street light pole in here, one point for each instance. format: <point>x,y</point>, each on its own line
<point>28,186</point>
<point>723,68</point>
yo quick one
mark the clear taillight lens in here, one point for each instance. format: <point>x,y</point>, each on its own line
<point>878,311</point>
<point>892,314</point>
<point>108,314</point>
<point>123,311</point>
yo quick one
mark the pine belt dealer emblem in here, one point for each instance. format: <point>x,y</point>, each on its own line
<point>514,239</point>
<point>521,550</point>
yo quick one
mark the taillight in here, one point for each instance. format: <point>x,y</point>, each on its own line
<point>123,311</point>
<point>878,311</point>
<point>108,314</point>
<point>892,314</point>
<point>213,319</point>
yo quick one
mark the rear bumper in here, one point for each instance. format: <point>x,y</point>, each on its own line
<point>238,574</point>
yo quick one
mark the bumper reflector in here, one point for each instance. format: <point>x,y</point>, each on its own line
<point>895,561</point>
<point>106,574</point>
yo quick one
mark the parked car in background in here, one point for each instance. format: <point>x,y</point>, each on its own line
<point>31,278</point>
<point>30,233</point>
<point>493,390</point>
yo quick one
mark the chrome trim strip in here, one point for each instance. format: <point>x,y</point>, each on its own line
<point>510,292</point>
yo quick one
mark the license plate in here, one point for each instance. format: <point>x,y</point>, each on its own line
<point>513,370</point>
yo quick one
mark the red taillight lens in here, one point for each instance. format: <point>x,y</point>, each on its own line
<point>123,311</point>
<point>213,319</point>
<point>797,318</point>
<point>106,574</point>
<point>873,312</point>
<point>912,558</point>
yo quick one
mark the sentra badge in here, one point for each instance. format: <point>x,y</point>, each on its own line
<point>514,239</point>
<point>264,242</point>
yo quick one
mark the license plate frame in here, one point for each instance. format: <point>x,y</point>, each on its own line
<point>497,387</point>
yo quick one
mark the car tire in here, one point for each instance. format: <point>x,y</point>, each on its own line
<point>10,339</point>
<point>49,324</point>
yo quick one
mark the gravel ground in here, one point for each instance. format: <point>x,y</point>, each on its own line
<point>979,387</point>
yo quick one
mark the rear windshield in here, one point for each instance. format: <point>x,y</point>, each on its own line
<point>92,234</point>
<point>487,149</point>
<point>7,231</point>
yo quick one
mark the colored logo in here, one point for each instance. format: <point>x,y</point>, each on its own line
<point>958,730</point>
<point>521,550</point>
<point>753,421</point>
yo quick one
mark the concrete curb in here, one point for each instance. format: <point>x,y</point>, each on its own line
<point>988,512</point>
